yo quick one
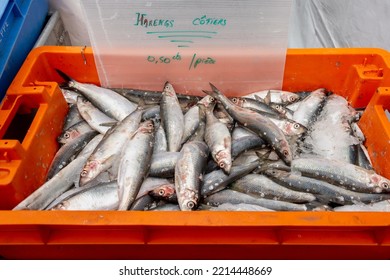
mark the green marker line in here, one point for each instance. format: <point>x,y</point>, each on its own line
<point>192,36</point>
<point>183,46</point>
<point>183,31</point>
<point>181,41</point>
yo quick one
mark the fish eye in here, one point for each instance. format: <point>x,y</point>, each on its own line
<point>385,185</point>
<point>221,165</point>
<point>67,135</point>
<point>291,98</point>
<point>150,125</point>
<point>84,173</point>
<point>296,125</point>
<point>235,100</point>
<point>191,204</point>
<point>277,107</point>
<point>285,153</point>
<point>161,192</point>
<point>212,99</point>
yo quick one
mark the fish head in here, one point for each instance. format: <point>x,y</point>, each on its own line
<point>289,97</point>
<point>238,101</point>
<point>282,148</point>
<point>224,161</point>
<point>68,135</point>
<point>147,127</point>
<point>188,205</point>
<point>89,172</point>
<point>163,191</point>
<point>207,101</point>
<point>381,184</point>
<point>279,108</point>
<point>294,128</point>
<point>169,90</point>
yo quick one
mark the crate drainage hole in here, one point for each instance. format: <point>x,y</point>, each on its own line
<point>20,124</point>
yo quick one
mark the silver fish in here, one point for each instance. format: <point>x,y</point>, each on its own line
<point>93,116</point>
<point>68,152</point>
<point>239,207</point>
<point>234,197</point>
<point>109,102</point>
<point>309,107</point>
<point>59,183</point>
<point>262,186</point>
<point>172,118</point>
<point>72,117</point>
<point>110,147</point>
<point>277,96</point>
<point>70,96</point>
<point>263,126</point>
<point>342,174</point>
<point>164,192</point>
<point>74,131</point>
<point>188,173</point>
<point>163,164</point>
<point>218,138</point>
<point>100,197</point>
<point>160,140</point>
<point>217,180</point>
<point>134,164</point>
<point>327,192</point>
<point>191,123</point>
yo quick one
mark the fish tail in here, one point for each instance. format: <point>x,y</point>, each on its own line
<point>66,77</point>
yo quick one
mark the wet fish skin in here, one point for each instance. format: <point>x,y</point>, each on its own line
<point>191,123</point>
<point>166,207</point>
<point>151,113</point>
<point>328,192</point>
<point>342,174</point>
<point>234,197</point>
<point>70,96</point>
<point>238,207</point>
<point>309,107</point>
<point>259,124</point>
<point>164,192</point>
<point>218,180</point>
<point>254,104</point>
<point>135,163</point>
<point>72,117</point>
<point>110,147</point>
<point>262,186</point>
<point>101,197</point>
<point>189,172</point>
<point>142,203</point>
<point>109,102</point>
<point>218,138</point>
<point>172,118</point>
<point>160,140</point>
<point>277,96</point>
<point>163,164</point>
<point>93,116</point>
<point>68,152</point>
<point>74,131</point>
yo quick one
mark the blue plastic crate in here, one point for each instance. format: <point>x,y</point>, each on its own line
<point>21,22</point>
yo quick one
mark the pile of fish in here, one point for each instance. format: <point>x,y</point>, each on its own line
<point>127,149</point>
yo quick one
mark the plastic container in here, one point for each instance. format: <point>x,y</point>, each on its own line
<point>361,75</point>
<point>54,33</point>
<point>21,22</point>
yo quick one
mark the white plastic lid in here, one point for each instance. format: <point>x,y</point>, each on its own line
<point>240,46</point>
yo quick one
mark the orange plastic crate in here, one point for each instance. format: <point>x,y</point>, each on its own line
<point>361,75</point>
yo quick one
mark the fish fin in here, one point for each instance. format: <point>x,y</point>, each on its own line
<point>66,77</point>
<point>214,88</point>
<point>211,93</point>
<point>258,98</point>
<point>267,99</point>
